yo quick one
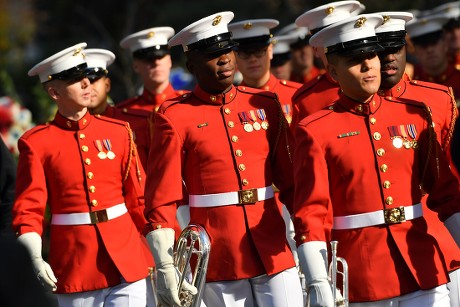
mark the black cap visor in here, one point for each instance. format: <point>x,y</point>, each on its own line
<point>395,39</point>
<point>95,73</point>
<point>71,75</point>
<point>356,47</point>
<point>151,53</point>
<point>214,44</point>
<point>280,59</point>
<point>253,42</point>
<point>427,39</point>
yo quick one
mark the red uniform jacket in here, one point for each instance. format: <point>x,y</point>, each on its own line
<point>59,166</point>
<point>284,90</point>
<point>450,77</point>
<point>345,164</point>
<point>136,111</point>
<point>201,139</point>
<point>313,96</point>
<point>444,113</point>
<point>314,72</point>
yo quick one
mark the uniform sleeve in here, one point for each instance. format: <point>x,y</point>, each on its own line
<point>7,186</point>
<point>282,165</point>
<point>31,192</point>
<point>438,180</point>
<point>312,203</point>
<point>134,185</point>
<point>164,174</point>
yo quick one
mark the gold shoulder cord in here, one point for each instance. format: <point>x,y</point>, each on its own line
<point>446,143</point>
<point>132,153</point>
<point>281,126</point>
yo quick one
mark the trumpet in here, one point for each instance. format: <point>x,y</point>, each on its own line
<point>340,300</point>
<point>194,245</point>
<point>340,297</point>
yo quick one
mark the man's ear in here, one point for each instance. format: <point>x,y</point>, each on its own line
<point>332,70</point>
<point>108,85</point>
<point>270,51</point>
<point>52,92</point>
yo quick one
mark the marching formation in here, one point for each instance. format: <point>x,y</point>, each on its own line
<point>313,166</point>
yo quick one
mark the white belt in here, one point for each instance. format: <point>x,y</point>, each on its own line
<point>243,197</point>
<point>387,216</point>
<point>89,217</point>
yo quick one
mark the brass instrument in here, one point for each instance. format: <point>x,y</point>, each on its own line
<point>340,299</point>
<point>194,245</point>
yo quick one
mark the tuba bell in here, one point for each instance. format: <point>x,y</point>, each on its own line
<point>192,251</point>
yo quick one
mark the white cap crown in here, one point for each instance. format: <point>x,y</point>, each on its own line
<point>252,28</point>
<point>425,25</point>
<point>393,21</point>
<point>282,43</point>
<point>99,58</point>
<point>147,38</point>
<point>59,62</point>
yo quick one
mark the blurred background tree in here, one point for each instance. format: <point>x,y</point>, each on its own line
<point>31,30</point>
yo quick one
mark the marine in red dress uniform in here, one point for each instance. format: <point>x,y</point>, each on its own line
<point>152,61</point>
<point>442,106</point>
<point>85,171</point>
<point>370,157</point>
<point>223,142</point>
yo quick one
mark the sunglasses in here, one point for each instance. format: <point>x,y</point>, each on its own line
<point>246,54</point>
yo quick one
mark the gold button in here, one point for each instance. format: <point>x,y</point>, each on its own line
<point>68,123</point>
<point>82,136</point>
<point>227,111</point>
<point>158,226</point>
<point>90,175</point>
<point>389,200</point>
<point>390,98</point>
<point>94,203</point>
<point>234,139</point>
<point>84,121</point>
<point>242,167</point>
<point>359,108</point>
<point>302,238</point>
<point>213,98</point>
<point>384,168</point>
<point>125,110</point>
<point>245,182</point>
<point>373,120</point>
<point>377,136</point>
<point>238,153</point>
<point>84,148</point>
<point>231,124</point>
<point>87,161</point>
<point>386,184</point>
<point>380,152</point>
<point>92,189</point>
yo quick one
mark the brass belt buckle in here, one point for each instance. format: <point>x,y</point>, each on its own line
<point>394,215</point>
<point>99,216</point>
<point>248,196</point>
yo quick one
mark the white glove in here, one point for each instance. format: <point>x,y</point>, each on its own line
<point>161,242</point>
<point>183,216</point>
<point>313,262</point>
<point>33,242</point>
<point>453,225</point>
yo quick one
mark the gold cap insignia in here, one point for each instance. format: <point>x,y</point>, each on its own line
<point>329,10</point>
<point>247,26</point>
<point>360,22</point>
<point>77,51</point>
<point>150,34</point>
<point>423,21</point>
<point>216,20</point>
<point>386,18</point>
<point>275,41</point>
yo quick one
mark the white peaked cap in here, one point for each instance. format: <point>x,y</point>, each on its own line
<point>393,21</point>
<point>147,38</point>
<point>327,14</point>
<point>293,29</point>
<point>281,43</point>
<point>59,62</point>
<point>425,25</point>
<point>359,10</point>
<point>252,28</point>
<point>99,58</point>
<point>350,29</point>
<point>204,28</point>
<point>449,10</point>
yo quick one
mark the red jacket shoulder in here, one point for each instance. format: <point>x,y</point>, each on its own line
<point>306,87</point>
